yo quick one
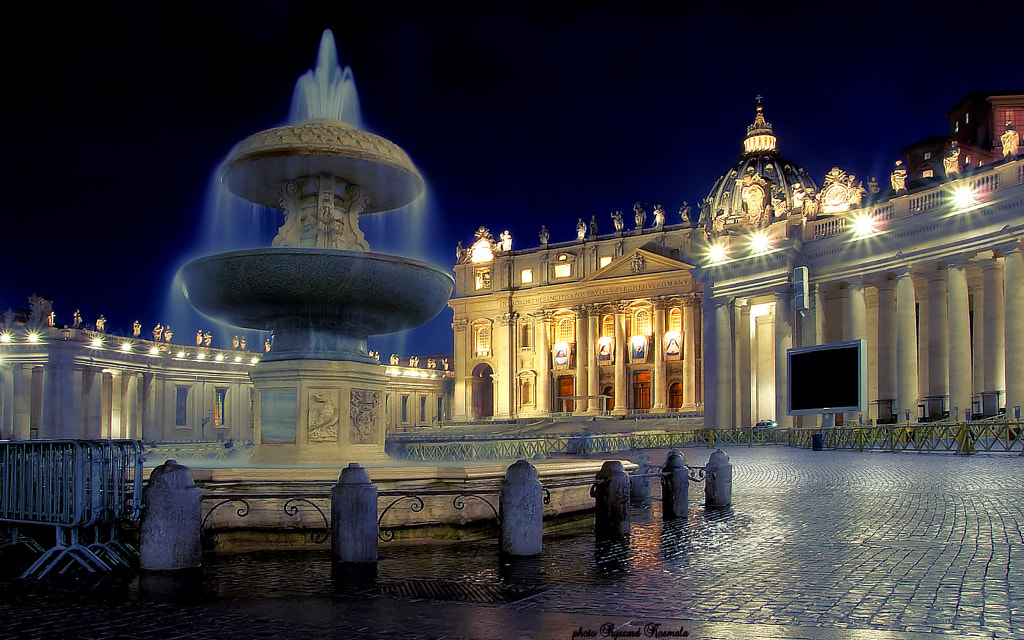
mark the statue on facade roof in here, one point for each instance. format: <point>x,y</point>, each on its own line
<point>873,187</point>
<point>898,178</point>
<point>76,318</point>
<point>617,221</point>
<point>639,215</point>
<point>1010,141</point>
<point>659,216</point>
<point>168,334</point>
<point>266,345</point>
<point>136,329</point>
<point>684,212</point>
<point>241,342</point>
<point>101,323</point>
<point>581,229</point>
<point>158,332</point>
<point>394,358</point>
<point>199,338</point>
<point>544,234</point>
<point>593,226</point>
<point>506,241</point>
<point>460,253</point>
<point>207,339</point>
<point>235,342</point>
<point>951,162</point>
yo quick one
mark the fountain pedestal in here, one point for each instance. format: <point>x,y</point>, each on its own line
<point>319,411</point>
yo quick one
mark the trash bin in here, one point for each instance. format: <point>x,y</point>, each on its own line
<point>817,441</point>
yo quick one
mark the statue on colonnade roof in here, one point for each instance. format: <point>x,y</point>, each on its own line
<point>1010,141</point>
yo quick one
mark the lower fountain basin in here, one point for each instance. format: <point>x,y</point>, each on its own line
<point>320,303</point>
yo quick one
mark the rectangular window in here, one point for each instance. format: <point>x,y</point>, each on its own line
<point>405,409</point>
<point>563,270</point>
<point>605,261</point>
<point>423,409</point>
<point>527,276</point>
<point>220,396</point>
<point>928,173</point>
<point>483,278</point>
<point>927,155</point>
<point>181,406</point>
<point>440,406</point>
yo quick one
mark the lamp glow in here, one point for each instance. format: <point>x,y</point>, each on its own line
<point>154,351</point>
<point>863,225</point>
<point>254,360</point>
<point>238,358</point>
<point>126,346</point>
<point>5,337</point>
<point>759,243</point>
<point>717,253</point>
<point>96,342</point>
<point>33,337</point>
<point>181,354</point>
<point>201,356</point>
<point>220,357</point>
<point>963,198</point>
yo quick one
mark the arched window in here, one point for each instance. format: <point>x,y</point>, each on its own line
<point>675,320</point>
<point>608,326</point>
<point>641,323</point>
<point>567,330</point>
<point>483,340</point>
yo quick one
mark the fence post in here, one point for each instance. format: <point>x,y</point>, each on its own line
<point>611,517</point>
<point>718,481</point>
<point>675,486</point>
<point>521,508</point>
<point>640,487</point>
<point>170,531</point>
<point>354,516</point>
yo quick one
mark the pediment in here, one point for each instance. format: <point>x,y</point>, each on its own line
<point>638,262</point>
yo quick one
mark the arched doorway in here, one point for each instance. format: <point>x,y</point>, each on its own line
<point>641,390</point>
<point>482,391</point>
<point>609,401</point>
<point>566,391</point>
<point>675,395</point>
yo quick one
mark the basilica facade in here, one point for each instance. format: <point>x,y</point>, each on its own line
<point>663,315</point>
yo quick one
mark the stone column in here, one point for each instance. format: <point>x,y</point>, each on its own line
<point>459,407</point>
<point>521,502</point>
<point>763,363</point>
<point>741,358</point>
<point>22,402</point>
<point>938,340</point>
<point>710,362</point>
<point>783,342</point>
<point>856,325</point>
<point>582,359</point>
<point>354,516</point>
<point>542,359</point>
<point>995,336</point>
<point>906,346</point>
<point>976,289</point>
<point>149,407</point>
<point>959,319</point>
<point>7,426</point>
<point>689,356</point>
<point>887,374</point>
<point>593,367</point>
<point>621,403</point>
<point>724,365</point>
<point>504,378</point>
<point>660,371</point>
<point>1014,327</point>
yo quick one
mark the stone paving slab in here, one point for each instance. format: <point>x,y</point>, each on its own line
<point>816,545</point>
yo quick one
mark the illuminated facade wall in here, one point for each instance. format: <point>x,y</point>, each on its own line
<point>607,324</point>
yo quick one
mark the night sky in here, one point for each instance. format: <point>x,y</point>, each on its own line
<point>116,115</point>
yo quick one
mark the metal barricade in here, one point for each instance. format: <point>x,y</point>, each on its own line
<point>80,487</point>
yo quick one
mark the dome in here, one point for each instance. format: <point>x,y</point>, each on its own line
<point>760,189</point>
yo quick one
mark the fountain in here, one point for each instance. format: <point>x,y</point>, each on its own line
<point>319,289</point>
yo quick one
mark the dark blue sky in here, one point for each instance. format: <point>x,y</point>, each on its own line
<point>116,115</point>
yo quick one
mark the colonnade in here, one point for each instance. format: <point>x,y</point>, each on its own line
<point>944,337</point>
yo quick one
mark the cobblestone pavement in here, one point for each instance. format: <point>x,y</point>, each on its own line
<point>817,545</point>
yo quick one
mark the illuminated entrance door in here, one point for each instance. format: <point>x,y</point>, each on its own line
<point>642,390</point>
<point>482,391</point>
<point>675,395</point>
<point>567,388</point>
<point>609,402</point>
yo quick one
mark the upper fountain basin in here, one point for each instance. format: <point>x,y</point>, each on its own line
<point>352,292</point>
<point>258,166</point>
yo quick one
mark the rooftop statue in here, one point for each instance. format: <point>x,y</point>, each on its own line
<point>754,197</point>
<point>394,358</point>
<point>460,253</point>
<point>136,329</point>
<point>684,212</point>
<point>1010,141</point>
<point>266,345</point>
<point>799,198</point>
<point>241,342</point>
<point>659,216</point>
<point>873,187</point>
<point>639,215</point>
<point>856,191</point>
<point>199,338</point>
<point>101,323</point>
<point>581,229</point>
<point>593,226</point>
<point>780,208</point>
<point>617,221</point>
<point>168,334</point>
<point>158,332</point>
<point>235,342</point>
<point>76,318</point>
<point>544,234</point>
<point>951,163</point>
<point>506,241</point>
<point>898,178</point>
<point>207,339</point>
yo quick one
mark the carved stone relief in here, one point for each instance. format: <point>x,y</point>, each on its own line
<point>364,412</point>
<point>322,417</point>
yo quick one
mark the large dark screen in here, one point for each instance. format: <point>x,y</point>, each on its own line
<point>825,379</point>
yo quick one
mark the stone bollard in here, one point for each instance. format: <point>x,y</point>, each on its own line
<point>611,517</point>
<point>170,532</point>
<point>640,488</point>
<point>521,504</point>
<point>718,481</point>
<point>354,516</point>
<point>675,486</point>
